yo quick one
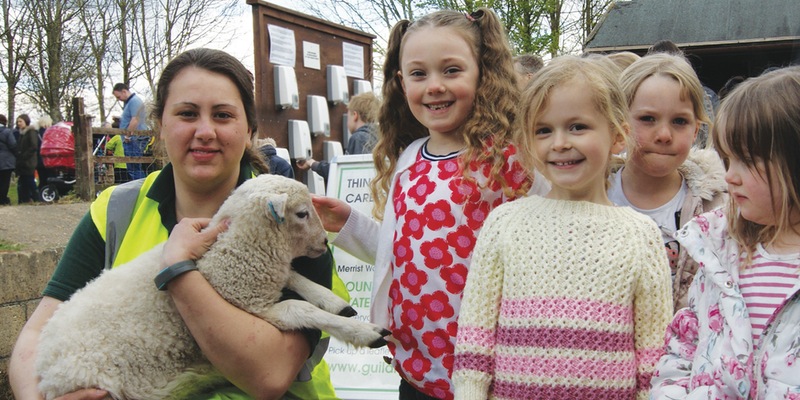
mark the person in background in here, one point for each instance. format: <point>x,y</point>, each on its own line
<point>277,165</point>
<point>115,148</point>
<point>444,160</point>
<point>664,176</point>
<point>44,172</point>
<point>8,159</point>
<point>568,295</point>
<point>710,98</point>
<point>16,131</point>
<point>729,85</point>
<point>205,113</point>
<point>134,118</point>
<point>664,46</point>
<point>362,117</point>
<point>623,59</point>
<point>739,338</point>
<point>27,159</point>
<point>525,67</point>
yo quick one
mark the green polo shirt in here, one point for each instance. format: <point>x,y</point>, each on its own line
<point>83,258</point>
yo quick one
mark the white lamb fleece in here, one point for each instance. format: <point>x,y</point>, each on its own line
<point>121,334</point>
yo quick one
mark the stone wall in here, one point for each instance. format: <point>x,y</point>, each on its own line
<point>23,275</point>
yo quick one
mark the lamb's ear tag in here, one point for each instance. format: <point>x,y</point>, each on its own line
<point>277,207</point>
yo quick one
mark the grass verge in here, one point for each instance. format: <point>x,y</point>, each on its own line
<point>6,246</point>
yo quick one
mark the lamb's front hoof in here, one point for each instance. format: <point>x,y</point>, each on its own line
<point>381,341</point>
<point>348,312</point>
<point>378,343</point>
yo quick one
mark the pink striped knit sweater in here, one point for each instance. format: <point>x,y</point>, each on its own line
<point>564,300</point>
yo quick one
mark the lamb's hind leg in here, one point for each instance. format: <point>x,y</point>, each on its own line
<point>319,295</point>
<point>297,314</point>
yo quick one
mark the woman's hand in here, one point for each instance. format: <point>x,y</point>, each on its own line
<point>84,394</point>
<point>189,240</point>
<point>332,212</point>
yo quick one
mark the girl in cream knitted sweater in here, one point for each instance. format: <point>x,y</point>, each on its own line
<point>568,296</point>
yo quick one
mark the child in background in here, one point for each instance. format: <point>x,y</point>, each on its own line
<point>362,114</point>
<point>623,59</point>
<point>444,160</point>
<point>568,295</point>
<point>664,177</point>
<point>740,336</point>
<point>114,148</point>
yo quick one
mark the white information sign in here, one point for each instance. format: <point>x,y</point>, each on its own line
<point>357,373</point>
<point>353,60</point>
<point>311,55</point>
<point>282,49</point>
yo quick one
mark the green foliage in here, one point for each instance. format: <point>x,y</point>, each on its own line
<point>523,20</point>
<point>6,246</point>
<point>540,27</point>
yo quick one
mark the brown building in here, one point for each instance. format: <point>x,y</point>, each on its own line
<point>309,45</point>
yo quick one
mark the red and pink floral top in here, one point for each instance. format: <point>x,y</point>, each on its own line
<point>439,215</point>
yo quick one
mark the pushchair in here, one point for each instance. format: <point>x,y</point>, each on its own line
<point>58,154</point>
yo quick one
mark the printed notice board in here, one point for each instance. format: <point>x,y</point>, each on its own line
<point>357,373</point>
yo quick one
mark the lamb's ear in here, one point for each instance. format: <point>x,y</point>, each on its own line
<point>277,207</point>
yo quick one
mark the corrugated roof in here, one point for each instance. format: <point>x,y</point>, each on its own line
<point>637,24</point>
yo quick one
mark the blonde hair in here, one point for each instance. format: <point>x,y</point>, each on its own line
<point>45,122</point>
<point>672,66</point>
<point>601,83</point>
<point>761,121</point>
<point>623,59</point>
<point>493,117</point>
<point>366,105</point>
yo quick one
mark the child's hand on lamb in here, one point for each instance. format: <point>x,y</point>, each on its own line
<point>84,394</point>
<point>332,212</point>
<point>189,240</point>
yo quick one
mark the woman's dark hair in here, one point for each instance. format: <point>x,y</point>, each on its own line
<point>25,118</point>
<point>222,63</point>
<point>728,87</point>
<point>664,46</point>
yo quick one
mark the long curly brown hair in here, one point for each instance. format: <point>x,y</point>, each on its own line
<point>492,121</point>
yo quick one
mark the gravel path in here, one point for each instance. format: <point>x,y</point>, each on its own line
<point>40,226</point>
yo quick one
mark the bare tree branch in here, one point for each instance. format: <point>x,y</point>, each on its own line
<point>14,48</point>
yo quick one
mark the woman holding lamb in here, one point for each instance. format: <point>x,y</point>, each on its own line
<point>205,110</point>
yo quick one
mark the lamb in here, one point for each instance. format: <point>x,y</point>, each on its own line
<point>121,334</point>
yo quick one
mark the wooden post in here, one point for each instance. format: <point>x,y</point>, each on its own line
<point>84,163</point>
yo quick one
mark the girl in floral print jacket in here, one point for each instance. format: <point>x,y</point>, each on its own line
<point>740,335</point>
<point>444,160</point>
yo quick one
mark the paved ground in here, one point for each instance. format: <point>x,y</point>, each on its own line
<point>40,226</point>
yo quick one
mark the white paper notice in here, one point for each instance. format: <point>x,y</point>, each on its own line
<point>311,55</point>
<point>357,373</point>
<point>281,46</point>
<point>353,59</point>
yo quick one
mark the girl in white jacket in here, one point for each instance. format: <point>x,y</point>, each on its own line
<point>740,335</point>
